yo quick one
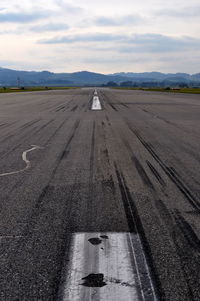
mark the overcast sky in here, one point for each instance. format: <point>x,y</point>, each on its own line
<point>104,36</point>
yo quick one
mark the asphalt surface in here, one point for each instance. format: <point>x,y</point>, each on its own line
<point>141,149</point>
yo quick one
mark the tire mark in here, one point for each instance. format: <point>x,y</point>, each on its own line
<point>61,108</point>
<point>176,231</point>
<point>37,131</point>
<point>30,123</point>
<point>44,126</point>
<point>65,152</point>
<point>124,105</point>
<point>187,231</point>
<point>170,123</point>
<point>109,184</point>
<point>90,200</point>
<point>169,171</point>
<point>135,226</point>
<point>56,131</point>
<point>142,173</point>
<point>92,153</point>
<point>32,132</point>
<point>164,212</point>
<point>107,100</point>
<point>74,108</point>
<point>48,189</point>
<point>155,173</point>
<point>157,103</point>
<point>6,125</point>
<point>69,102</point>
<point>127,201</point>
<point>104,151</point>
<point>89,103</point>
<point>108,120</point>
<point>112,106</point>
<point>14,133</point>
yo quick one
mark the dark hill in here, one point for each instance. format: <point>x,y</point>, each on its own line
<point>10,77</point>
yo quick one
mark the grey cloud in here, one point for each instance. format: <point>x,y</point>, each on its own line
<point>117,60</point>
<point>156,43</point>
<point>26,65</point>
<point>23,17</point>
<point>5,63</point>
<point>130,43</point>
<point>98,37</point>
<point>118,21</point>
<point>49,27</point>
<point>161,43</point>
<point>190,11</point>
<point>68,7</point>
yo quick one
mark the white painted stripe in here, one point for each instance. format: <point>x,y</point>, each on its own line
<point>96,105</point>
<point>24,158</point>
<point>113,258</point>
<point>95,92</point>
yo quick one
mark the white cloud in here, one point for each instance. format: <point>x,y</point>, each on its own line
<point>185,12</point>
<point>23,17</point>
<point>117,35</point>
<point>49,27</point>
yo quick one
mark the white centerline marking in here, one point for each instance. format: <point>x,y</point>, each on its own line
<point>96,105</point>
<point>24,158</point>
<point>102,268</point>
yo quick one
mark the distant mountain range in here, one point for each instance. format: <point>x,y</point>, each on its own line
<point>10,77</point>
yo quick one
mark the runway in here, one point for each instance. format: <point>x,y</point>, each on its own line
<point>99,195</point>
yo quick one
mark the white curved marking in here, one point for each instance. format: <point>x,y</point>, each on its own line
<point>24,158</point>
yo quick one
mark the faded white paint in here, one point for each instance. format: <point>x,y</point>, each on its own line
<point>96,105</point>
<point>24,158</point>
<point>114,258</point>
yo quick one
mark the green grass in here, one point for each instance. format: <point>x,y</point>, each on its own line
<point>32,89</point>
<point>182,90</point>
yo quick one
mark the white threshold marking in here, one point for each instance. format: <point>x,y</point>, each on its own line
<point>24,158</point>
<point>105,270</point>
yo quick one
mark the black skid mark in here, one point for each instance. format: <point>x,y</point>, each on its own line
<point>94,280</point>
<point>95,241</point>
